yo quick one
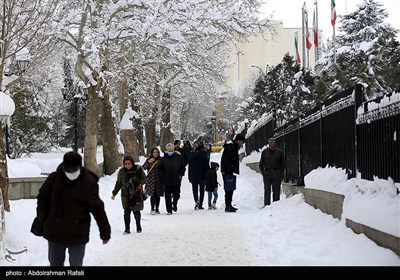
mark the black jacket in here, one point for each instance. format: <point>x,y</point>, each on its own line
<point>272,160</point>
<point>64,207</point>
<point>198,165</point>
<point>211,178</point>
<point>230,158</point>
<point>172,169</point>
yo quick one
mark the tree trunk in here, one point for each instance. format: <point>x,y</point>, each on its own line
<point>150,127</point>
<point>128,139</point>
<point>138,128</point>
<point>166,134</point>
<point>112,159</point>
<point>4,182</point>
<point>184,120</point>
<point>91,133</point>
<point>150,130</point>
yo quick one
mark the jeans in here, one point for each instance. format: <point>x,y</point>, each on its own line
<point>195,189</point>
<point>57,254</point>
<point>210,196</point>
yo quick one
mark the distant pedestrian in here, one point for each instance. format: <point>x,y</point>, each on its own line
<point>130,180</point>
<point>172,169</point>
<point>178,149</point>
<point>198,166</point>
<point>272,165</point>
<point>65,203</point>
<point>154,187</point>
<point>186,150</point>
<point>230,167</point>
<point>212,185</point>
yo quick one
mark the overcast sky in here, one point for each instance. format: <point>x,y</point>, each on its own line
<point>289,11</point>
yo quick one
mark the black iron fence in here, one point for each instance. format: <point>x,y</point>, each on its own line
<point>344,132</point>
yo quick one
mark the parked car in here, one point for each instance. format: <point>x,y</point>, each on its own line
<point>217,147</point>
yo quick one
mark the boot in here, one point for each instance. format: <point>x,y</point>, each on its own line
<point>230,209</point>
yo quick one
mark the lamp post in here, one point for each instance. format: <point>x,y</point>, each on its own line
<point>255,66</point>
<point>213,128</point>
<point>238,71</point>
<point>23,61</point>
<point>75,94</point>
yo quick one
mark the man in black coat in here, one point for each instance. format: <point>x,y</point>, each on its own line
<point>272,164</point>
<point>172,169</point>
<point>64,204</point>
<point>229,167</point>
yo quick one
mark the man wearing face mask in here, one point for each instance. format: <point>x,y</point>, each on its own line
<point>172,169</point>
<point>64,204</point>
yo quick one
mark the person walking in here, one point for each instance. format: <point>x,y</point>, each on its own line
<point>272,165</point>
<point>172,169</point>
<point>130,180</point>
<point>154,188</point>
<point>198,166</point>
<point>65,203</point>
<point>212,185</point>
<point>230,167</point>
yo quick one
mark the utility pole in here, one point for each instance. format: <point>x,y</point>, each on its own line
<point>238,71</point>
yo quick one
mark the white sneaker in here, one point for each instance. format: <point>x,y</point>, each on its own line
<point>214,206</point>
<point>196,206</point>
<point>152,212</point>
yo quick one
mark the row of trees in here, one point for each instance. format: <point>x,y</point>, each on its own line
<point>367,52</point>
<point>147,66</point>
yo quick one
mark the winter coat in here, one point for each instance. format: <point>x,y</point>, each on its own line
<point>230,158</point>
<point>272,160</point>
<point>153,178</point>
<point>64,207</point>
<point>122,184</point>
<point>198,165</point>
<point>211,178</point>
<point>172,169</point>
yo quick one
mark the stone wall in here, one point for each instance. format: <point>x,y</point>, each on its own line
<point>332,204</point>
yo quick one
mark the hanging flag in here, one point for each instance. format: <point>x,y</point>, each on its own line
<point>315,30</point>
<point>308,41</point>
<point>333,12</point>
<point>298,60</point>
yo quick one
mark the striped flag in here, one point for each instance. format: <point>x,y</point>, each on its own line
<point>315,30</point>
<point>298,60</point>
<point>333,12</point>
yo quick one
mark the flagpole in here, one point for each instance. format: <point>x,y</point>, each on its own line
<point>303,35</point>
<point>334,46</point>
<point>333,21</point>
<point>307,37</point>
<point>317,30</point>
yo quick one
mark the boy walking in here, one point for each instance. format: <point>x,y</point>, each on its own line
<point>212,185</point>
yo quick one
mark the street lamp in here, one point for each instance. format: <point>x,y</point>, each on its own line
<point>213,128</point>
<point>238,71</point>
<point>22,58</point>
<point>255,66</point>
<point>72,95</point>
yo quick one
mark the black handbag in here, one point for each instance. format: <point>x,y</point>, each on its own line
<point>37,227</point>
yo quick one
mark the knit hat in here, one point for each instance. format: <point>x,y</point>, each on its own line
<point>72,162</point>
<point>177,142</point>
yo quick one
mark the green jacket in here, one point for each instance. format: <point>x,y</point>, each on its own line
<point>121,184</point>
